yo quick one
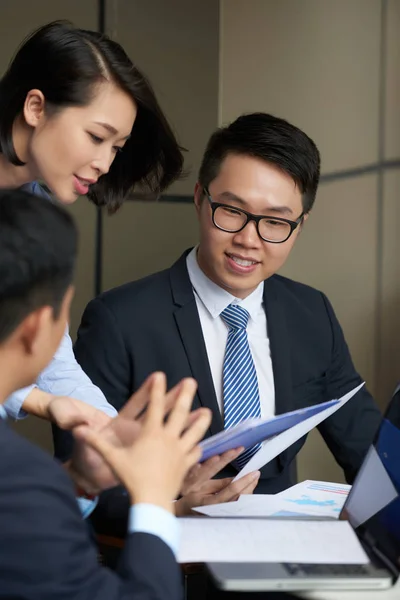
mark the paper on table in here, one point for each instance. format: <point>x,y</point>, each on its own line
<point>310,499</point>
<point>259,505</point>
<point>274,446</point>
<point>276,540</point>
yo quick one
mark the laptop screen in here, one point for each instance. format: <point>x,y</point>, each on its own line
<point>373,505</point>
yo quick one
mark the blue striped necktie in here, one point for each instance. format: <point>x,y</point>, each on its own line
<point>240,385</point>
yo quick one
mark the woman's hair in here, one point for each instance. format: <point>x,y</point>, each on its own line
<point>66,64</point>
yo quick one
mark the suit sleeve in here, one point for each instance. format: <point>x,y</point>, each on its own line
<point>101,353</point>
<point>46,552</point>
<point>350,431</point>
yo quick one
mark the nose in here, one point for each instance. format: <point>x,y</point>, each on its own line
<point>248,237</point>
<point>103,160</point>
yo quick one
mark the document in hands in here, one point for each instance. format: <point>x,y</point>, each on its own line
<point>277,433</point>
<point>269,540</point>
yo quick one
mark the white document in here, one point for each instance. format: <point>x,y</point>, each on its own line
<point>318,499</point>
<point>259,505</point>
<point>269,540</point>
<point>274,446</point>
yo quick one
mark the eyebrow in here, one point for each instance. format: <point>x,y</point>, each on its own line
<point>110,128</point>
<point>275,209</point>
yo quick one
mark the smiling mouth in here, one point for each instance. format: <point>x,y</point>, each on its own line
<point>241,261</point>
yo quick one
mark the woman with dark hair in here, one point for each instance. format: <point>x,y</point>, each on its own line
<point>78,115</point>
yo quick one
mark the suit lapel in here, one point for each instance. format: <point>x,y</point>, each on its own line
<point>189,327</point>
<point>280,347</point>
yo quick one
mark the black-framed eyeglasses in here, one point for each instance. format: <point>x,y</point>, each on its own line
<point>232,220</point>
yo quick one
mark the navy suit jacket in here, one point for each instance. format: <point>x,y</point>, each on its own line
<point>153,324</point>
<point>45,548</point>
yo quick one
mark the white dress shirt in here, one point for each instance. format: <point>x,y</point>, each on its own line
<point>211,300</point>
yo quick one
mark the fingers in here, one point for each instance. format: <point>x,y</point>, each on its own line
<point>192,436</point>
<point>178,416</point>
<point>193,457</point>
<point>97,441</point>
<point>155,411</point>
<point>216,485</point>
<point>139,400</point>
<point>223,460</point>
<point>235,489</point>
<point>172,396</point>
<point>250,488</point>
<point>202,473</point>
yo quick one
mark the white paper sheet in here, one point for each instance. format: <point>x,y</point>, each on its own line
<point>259,505</point>
<point>269,540</point>
<point>318,499</point>
<point>271,448</point>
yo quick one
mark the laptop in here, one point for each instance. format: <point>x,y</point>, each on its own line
<point>372,509</point>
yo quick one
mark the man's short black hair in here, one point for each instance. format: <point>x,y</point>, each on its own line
<point>271,139</point>
<point>38,243</point>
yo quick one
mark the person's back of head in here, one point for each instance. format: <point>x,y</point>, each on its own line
<point>68,65</point>
<point>272,140</point>
<point>38,244</point>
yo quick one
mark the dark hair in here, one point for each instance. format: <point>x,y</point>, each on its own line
<point>271,139</point>
<point>38,242</point>
<point>66,63</point>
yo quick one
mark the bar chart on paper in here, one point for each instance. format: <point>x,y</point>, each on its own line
<point>317,498</point>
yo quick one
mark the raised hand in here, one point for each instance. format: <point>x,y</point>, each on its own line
<point>152,462</point>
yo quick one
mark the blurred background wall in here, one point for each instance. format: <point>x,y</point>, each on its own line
<point>332,67</point>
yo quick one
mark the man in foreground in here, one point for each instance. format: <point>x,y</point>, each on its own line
<point>45,550</point>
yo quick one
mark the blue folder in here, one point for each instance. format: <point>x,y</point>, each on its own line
<point>253,431</point>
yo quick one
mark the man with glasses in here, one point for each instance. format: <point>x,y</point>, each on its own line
<point>258,344</point>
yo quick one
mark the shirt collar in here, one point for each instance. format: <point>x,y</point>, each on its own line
<point>3,414</point>
<point>216,299</point>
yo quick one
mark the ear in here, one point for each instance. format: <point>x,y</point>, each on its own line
<point>34,107</point>
<point>31,329</point>
<point>305,217</point>
<point>198,197</point>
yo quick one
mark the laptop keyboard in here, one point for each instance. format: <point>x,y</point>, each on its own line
<point>326,570</point>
